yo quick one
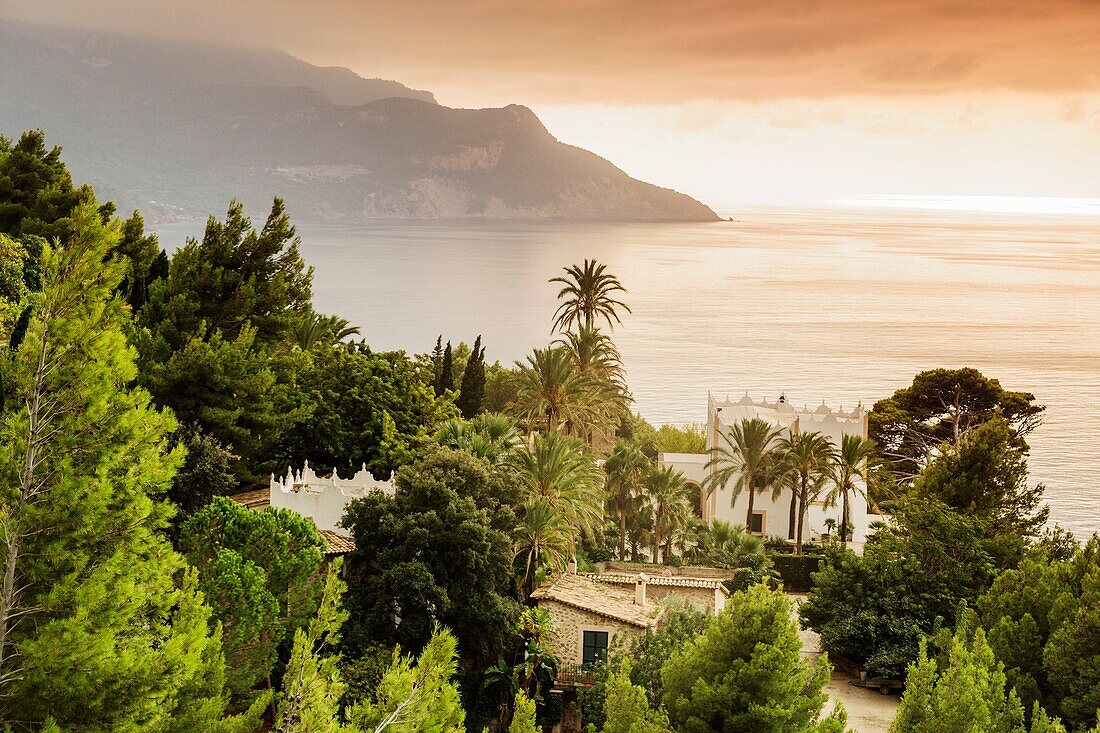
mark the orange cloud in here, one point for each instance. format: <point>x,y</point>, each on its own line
<point>645,51</point>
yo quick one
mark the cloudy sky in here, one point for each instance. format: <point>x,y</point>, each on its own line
<point>734,100</point>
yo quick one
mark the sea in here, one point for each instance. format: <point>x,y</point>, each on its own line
<point>839,303</point>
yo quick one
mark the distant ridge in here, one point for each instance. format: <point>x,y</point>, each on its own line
<point>178,128</point>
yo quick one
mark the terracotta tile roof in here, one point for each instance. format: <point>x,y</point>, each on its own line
<point>605,600</point>
<point>338,544</point>
<point>257,499</point>
<point>681,582</point>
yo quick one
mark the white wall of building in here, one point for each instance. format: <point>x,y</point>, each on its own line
<point>833,424</point>
<point>323,499</point>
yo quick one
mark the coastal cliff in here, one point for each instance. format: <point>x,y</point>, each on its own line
<point>177,129</point>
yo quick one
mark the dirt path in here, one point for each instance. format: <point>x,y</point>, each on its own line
<point>869,711</point>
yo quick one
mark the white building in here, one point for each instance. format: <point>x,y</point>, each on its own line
<point>323,500</point>
<point>771,516</point>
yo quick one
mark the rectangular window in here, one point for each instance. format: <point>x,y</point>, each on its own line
<point>756,526</point>
<point>594,647</point>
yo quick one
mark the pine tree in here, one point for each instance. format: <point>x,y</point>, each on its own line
<point>966,691</point>
<point>627,706</point>
<point>472,391</point>
<point>101,626</point>
<point>312,688</point>
<point>416,696</point>
<point>745,672</point>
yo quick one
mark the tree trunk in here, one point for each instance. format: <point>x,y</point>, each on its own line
<point>752,502</point>
<point>13,537</point>
<point>801,516</point>
<point>793,517</point>
<point>622,535</point>
<point>844,517</point>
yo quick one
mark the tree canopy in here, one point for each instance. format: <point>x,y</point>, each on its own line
<point>941,406</point>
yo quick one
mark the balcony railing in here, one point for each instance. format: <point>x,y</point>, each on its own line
<point>574,674</point>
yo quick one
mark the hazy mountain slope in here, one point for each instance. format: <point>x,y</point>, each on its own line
<point>179,128</point>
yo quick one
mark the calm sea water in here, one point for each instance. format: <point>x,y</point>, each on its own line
<point>834,305</point>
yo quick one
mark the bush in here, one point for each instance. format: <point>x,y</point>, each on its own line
<point>796,571</point>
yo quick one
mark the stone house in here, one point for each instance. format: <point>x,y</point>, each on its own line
<point>596,612</point>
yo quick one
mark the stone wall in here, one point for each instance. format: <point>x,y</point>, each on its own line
<point>701,598</point>
<point>570,624</point>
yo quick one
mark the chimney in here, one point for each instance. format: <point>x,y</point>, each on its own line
<point>639,589</point>
<point>571,567</point>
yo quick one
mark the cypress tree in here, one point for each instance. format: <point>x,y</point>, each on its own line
<point>437,366</point>
<point>472,392</point>
<point>101,623</point>
<point>446,371</point>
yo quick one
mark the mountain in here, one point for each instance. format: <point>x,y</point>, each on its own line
<point>179,128</point>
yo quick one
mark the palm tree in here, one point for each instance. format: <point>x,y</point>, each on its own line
<point>752,461</point>
<point>808,460</point>
<point>551,394</point>
<point>559,470</point>
<point>587,292</point>
<point>316,329</point>
<point>727,545</point>
<point>594,355</point>
<point>490,435</point>
<point>856,459</point>
<point>624,467</point>
<point>542,539</point>
<point>666,490</point>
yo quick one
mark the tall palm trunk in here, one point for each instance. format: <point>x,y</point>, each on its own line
<point>752,502</point>
<point>844,515</point>
<point>793,517</point>
<point>622,535</point>
<point>801,515</point>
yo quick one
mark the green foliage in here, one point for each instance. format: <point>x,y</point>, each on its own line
<point>523,714</point>
<point>416,696</point>
<point>36,191</point>
<point>745,672</point>
<point>500,389</point>
<point>445,372</point>
<point>14,292</point>
<point>690,438</point>
<point>472,392</point>
<point>940,406</point>
<point>437,553</point>
<point>214,328</point>
<point>721,544</point>
<point>145,261</point>
<point>1043,622</point>
<point>207,471</point>
<point>985,477</point>
<point>359,408</point>
<point>912,577</point>
<point>965,692</point>
<point>312,688</point>
<point>92,578</point>
<point>969,514</point>
<point>797,571</point>
<point>490,435</point>
<point>224,387</point>
<point>284,544</point>
<point>251,631</point>
<point>627,706</point>
<point>648,654</point>
<point>236,277</point>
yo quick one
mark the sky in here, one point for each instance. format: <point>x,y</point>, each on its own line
<point>733,101</point>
